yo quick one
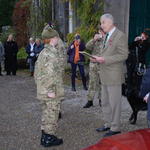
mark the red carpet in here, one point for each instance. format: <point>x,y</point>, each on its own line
<point>135,140</point>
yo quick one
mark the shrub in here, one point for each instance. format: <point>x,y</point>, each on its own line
<point>4,35</point>
<point>22,53</point>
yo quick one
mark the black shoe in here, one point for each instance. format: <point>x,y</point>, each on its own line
<point>85,88</point>
<point>100,103</point>
<point>73,89</point>
<point>102,129</point>
<point>48,140</point>
<point>8,74</point>
<point>88,104</point>
<point>60,115</point>
<point>110,133</point>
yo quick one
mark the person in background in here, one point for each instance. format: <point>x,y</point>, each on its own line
<point>142,44</point>
<point>11,50</point>
<point>2,52</point>
<point>145,91</point>
<point>49,92</point>
<point>94,45</point>
<point>38,48</point>
<point>30,50</point>
<point>77,59</point>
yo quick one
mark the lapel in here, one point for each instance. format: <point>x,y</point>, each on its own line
<point>110,39</point>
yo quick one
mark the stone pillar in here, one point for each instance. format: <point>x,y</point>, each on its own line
<point>61,15</point>
<point>120,10</point>
<point>70,18</point>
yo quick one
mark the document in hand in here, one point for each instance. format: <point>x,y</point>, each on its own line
<point>86,54</point>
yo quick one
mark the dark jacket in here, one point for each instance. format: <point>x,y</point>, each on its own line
<point>142,49</point>
<point>11,49</point>
<point>145,86</point>
<point>28,50</point>
<point>71,53</point>
<point>39,48</point>
<point>145,89</point>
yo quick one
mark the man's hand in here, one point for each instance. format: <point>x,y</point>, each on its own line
<point>51,95</point>
<point>99,59</point>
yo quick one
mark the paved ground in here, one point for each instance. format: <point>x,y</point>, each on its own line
<point>20,114</point>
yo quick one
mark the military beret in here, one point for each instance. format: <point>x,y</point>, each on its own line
<point>48,32</point>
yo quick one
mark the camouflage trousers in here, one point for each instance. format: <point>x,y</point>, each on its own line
<point>50,114</point>
<point>94,82</point>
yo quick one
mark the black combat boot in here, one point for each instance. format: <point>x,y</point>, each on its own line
<point>100,102</point>
<point>88,104</point>
<point>48,140</point>
<point>60,115</point>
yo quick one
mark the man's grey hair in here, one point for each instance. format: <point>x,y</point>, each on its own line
<point>108,16</point>
<point>31,39</point>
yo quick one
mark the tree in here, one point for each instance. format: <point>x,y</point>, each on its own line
<point>40,13</point>
<point>20,18</point>
<point>6,9</point>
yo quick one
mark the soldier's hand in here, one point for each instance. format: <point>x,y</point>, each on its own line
<point>51,95</point>
<point>97,37</point>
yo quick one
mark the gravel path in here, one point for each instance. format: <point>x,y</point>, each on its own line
<point>20,114</point>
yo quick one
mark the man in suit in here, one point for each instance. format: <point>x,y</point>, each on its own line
<point>111,73</point>
<point>30,50</point>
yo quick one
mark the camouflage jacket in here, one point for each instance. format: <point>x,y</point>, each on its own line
<point>95,46</point>
<point>46,74</point>
<point>61,53</point>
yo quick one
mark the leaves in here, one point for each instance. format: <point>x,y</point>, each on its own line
<point>6,9</point>
<point>89,12</point>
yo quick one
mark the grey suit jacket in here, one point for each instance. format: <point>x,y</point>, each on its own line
<point>115,53</point>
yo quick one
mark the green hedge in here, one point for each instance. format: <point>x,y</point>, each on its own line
<point>22,53</point>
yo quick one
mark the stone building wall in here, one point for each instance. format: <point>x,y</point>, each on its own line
<point>120,10</point>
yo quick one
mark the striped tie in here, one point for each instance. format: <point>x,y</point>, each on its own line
<point>104,44</point>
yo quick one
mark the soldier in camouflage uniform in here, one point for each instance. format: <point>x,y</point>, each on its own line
<point>49,92</point>
<point>94,45</point>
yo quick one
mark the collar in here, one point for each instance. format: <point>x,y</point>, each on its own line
<point>32,44</point>
<point>111,32</point>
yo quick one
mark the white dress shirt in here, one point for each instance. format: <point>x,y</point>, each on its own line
<point>32,47</point>
<point>110,33</point>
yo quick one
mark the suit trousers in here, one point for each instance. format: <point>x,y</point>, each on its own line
<point>111,106</point>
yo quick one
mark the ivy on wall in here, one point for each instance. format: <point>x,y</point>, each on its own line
<point>88,12</point>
